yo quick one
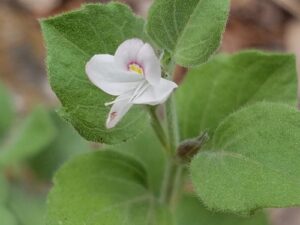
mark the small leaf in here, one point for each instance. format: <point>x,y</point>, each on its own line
<point>190,29</point>
<point>7,111</point>
<point>104,187</point>
<point>32,136</point>
<point>253,162</point>
<point>192,212</point>
<point>227,83</point>
<point>72,39</point>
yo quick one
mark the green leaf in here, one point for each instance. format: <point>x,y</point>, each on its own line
<point>190,29</point>
<point>72,39</point>
<point>253,162</point>
<point>147,148</point>
<point>103,187</point>
<point>190,211</point>
<point>66,144</point>
<point>7,111</point>
<point>31,137</point>
<point>227,83</point>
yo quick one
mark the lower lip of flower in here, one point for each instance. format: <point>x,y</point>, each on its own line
<point>136,68</point>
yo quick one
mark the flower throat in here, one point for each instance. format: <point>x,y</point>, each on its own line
<point>133,67</point>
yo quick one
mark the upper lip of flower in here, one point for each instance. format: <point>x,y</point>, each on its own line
<point>133,74</point>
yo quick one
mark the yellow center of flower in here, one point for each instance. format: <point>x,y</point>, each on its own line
<point>136,68</point>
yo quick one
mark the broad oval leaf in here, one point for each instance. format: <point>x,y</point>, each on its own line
<point>190,29</point>
<point>104,187</point>
<point>253,162</point>
<point>229,82</point>
<point>72,39</point>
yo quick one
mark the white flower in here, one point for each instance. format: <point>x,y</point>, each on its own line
<point>133,74</point>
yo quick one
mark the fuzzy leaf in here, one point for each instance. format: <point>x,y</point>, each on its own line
<point>110,188</point>
<point>253,162</point>
<point>72,39</point>
<point>192,212</point>
<point>190,29</point>
<point>227,83</point>
<point>28,139</point>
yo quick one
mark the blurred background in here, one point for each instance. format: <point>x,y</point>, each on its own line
<point>27,103</point>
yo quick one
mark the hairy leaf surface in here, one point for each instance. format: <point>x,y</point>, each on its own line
<point>190,29</point>
<point>253,162</point>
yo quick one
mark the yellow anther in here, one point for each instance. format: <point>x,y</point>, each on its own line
<point>136,69</point>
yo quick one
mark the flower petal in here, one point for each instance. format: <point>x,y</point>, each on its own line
<point>106,75</point>
<point>127,52</point>
<point>155,95</point>
<point>150,63</point>
<point>118,110</point>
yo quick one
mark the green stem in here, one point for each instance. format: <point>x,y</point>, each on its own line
<point>172,124</point>
<point>171,187</point>
<point>158,128</point>
<point>177,187</point>
<point>167,180</point>
<point>172,180</point>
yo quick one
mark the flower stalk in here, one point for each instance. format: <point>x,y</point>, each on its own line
<point>172,181</point>
<point>158,128</point>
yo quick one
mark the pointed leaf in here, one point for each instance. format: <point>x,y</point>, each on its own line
<point>190,29</point>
